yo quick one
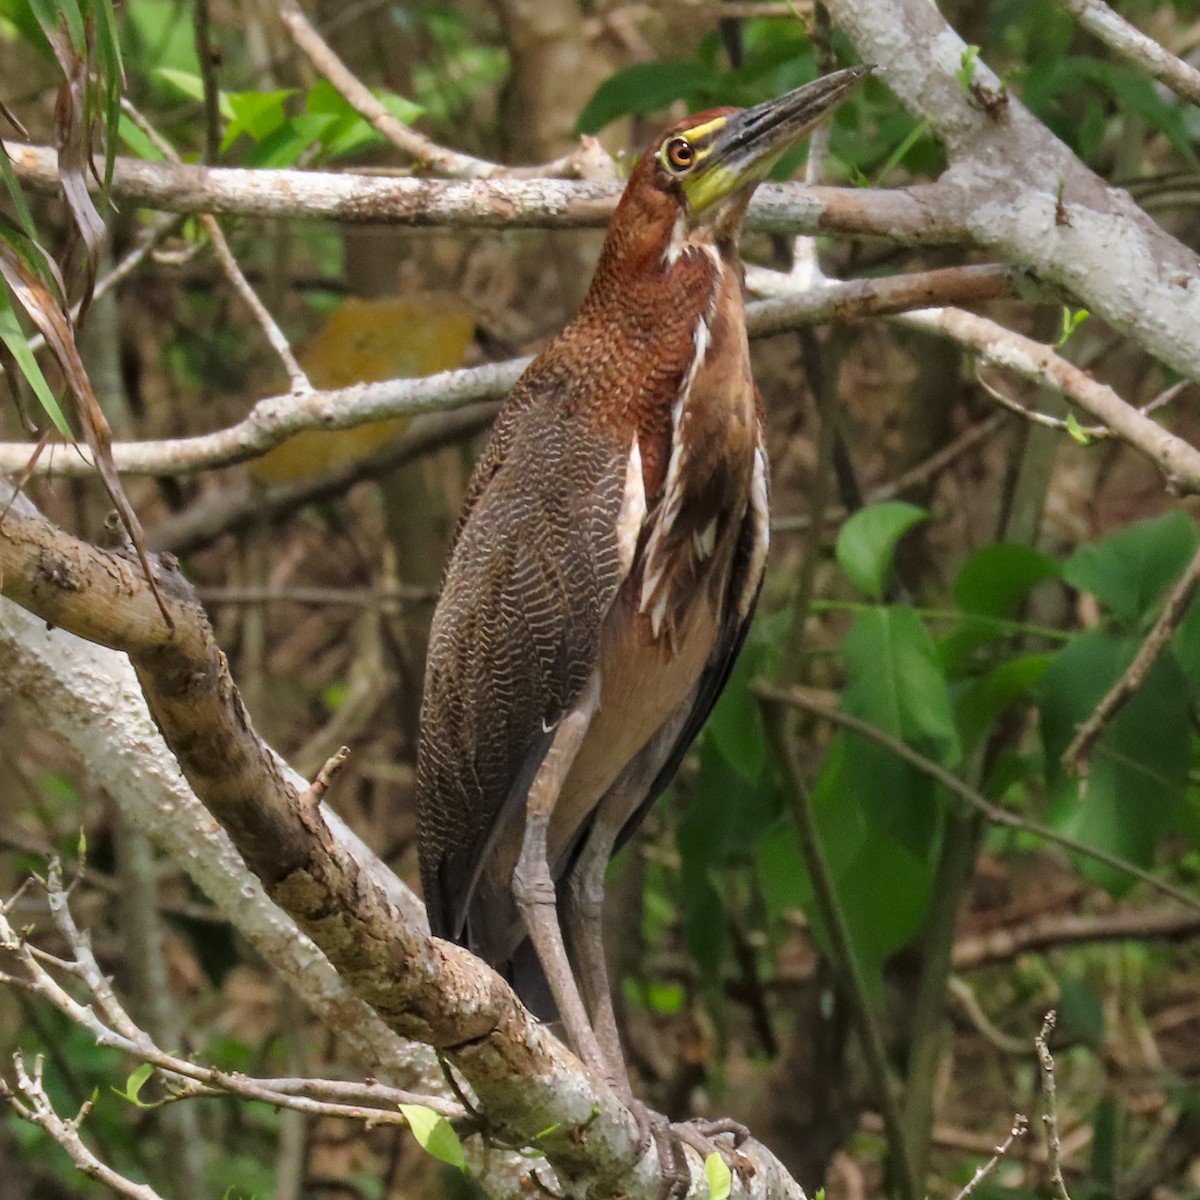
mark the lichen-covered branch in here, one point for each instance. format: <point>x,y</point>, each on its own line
<point>422,988</point>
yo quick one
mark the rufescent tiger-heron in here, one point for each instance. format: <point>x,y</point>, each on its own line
<point>603,574</point>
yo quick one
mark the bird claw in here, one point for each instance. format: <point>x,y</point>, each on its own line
<point>670,1138</point>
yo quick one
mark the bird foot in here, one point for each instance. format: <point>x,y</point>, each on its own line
<point>670,1138</point>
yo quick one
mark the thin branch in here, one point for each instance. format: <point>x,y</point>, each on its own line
<point>1075,756</point>
<point>1040,363</point>
<point>886,1085</point>
<point>1050,1116</point>
<point>1096,433</point>
<point>1023,194</point>
<point>914,477</point>
<point>233,272</point>
<point>589,161</point>
<point>502,202</point>
<point>112,1027</point>
<point>206,54</point>
<point>1065,929</point>
<point>1134,46</point>
<point>962,991</point>
<point>273,420</point>
<point>800,698</point>
<point>32,1104</point>
<point>1178,460</point>
<point>231,510</point>
<point>1019,1126</point>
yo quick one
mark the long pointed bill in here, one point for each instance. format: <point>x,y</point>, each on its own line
<point>743,147</point>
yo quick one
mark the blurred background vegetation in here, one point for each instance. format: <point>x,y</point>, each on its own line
<point>977,613</point>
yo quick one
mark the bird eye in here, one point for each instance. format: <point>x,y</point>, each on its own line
<point>679,154</point>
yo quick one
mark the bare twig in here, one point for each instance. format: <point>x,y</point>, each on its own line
<point>233,272</point>
<point>320,785</point>
<point>1050,1116</point>
<point>1075,757</point>
<point>206,54</point>
<point>1090,432</point>
<point>230,510</point>
<point>1130,43</point>
<point>589,161</point>
<point>801,698</point>
<point>1019,1126</point>
<point>922,473</point>
<point>962,991</point>
<point>317,596</point>
<point>1065,929</point>
<point>110,1025</point>
<point>1038,362</point>
<point>501,202</point>
<point>883,1078</point>
<point>31,1103</point>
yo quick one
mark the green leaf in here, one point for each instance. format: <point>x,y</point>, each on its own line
<point>134,1084</point>
<point>993,582</point>
<point>1071,321</point>
<point>256,114</point>
<point>1186,645</point>
<point>718,1176</point>
<point>883,887</point>
<point>1129,570</point>
<point>726,814</point>
<point>643,88</point>
<point>867,542</point>
<point>1133,795</point>
<point>988,698</point>
<point>705,929</point>
<point>1106,1145</point>
<point>61,14</point>
<point>404,110</point>
<point>1077,431</point>
<point>781,873</point>
<point>187,82</point>
<point>894,680</point>
<point>435,1135</point>
<point>137,140</point>
<point>965,73</point>
<point>1080,1013</point>
<point>13,337</point>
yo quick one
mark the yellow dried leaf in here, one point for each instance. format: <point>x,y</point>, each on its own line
<point>365,341</point>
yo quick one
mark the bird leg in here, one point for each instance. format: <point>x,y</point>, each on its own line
<point>533,885</point>
<point>585,925</point>
<point>584,916</point>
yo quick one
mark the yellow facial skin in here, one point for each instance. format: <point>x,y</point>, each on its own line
<point>735,151</point>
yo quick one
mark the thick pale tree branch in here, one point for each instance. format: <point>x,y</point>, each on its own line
<point>501,203</point>
<point>1021,194</point>
<point>423,988</point>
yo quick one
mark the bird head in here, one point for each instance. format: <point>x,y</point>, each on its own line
<point>697,179</point>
